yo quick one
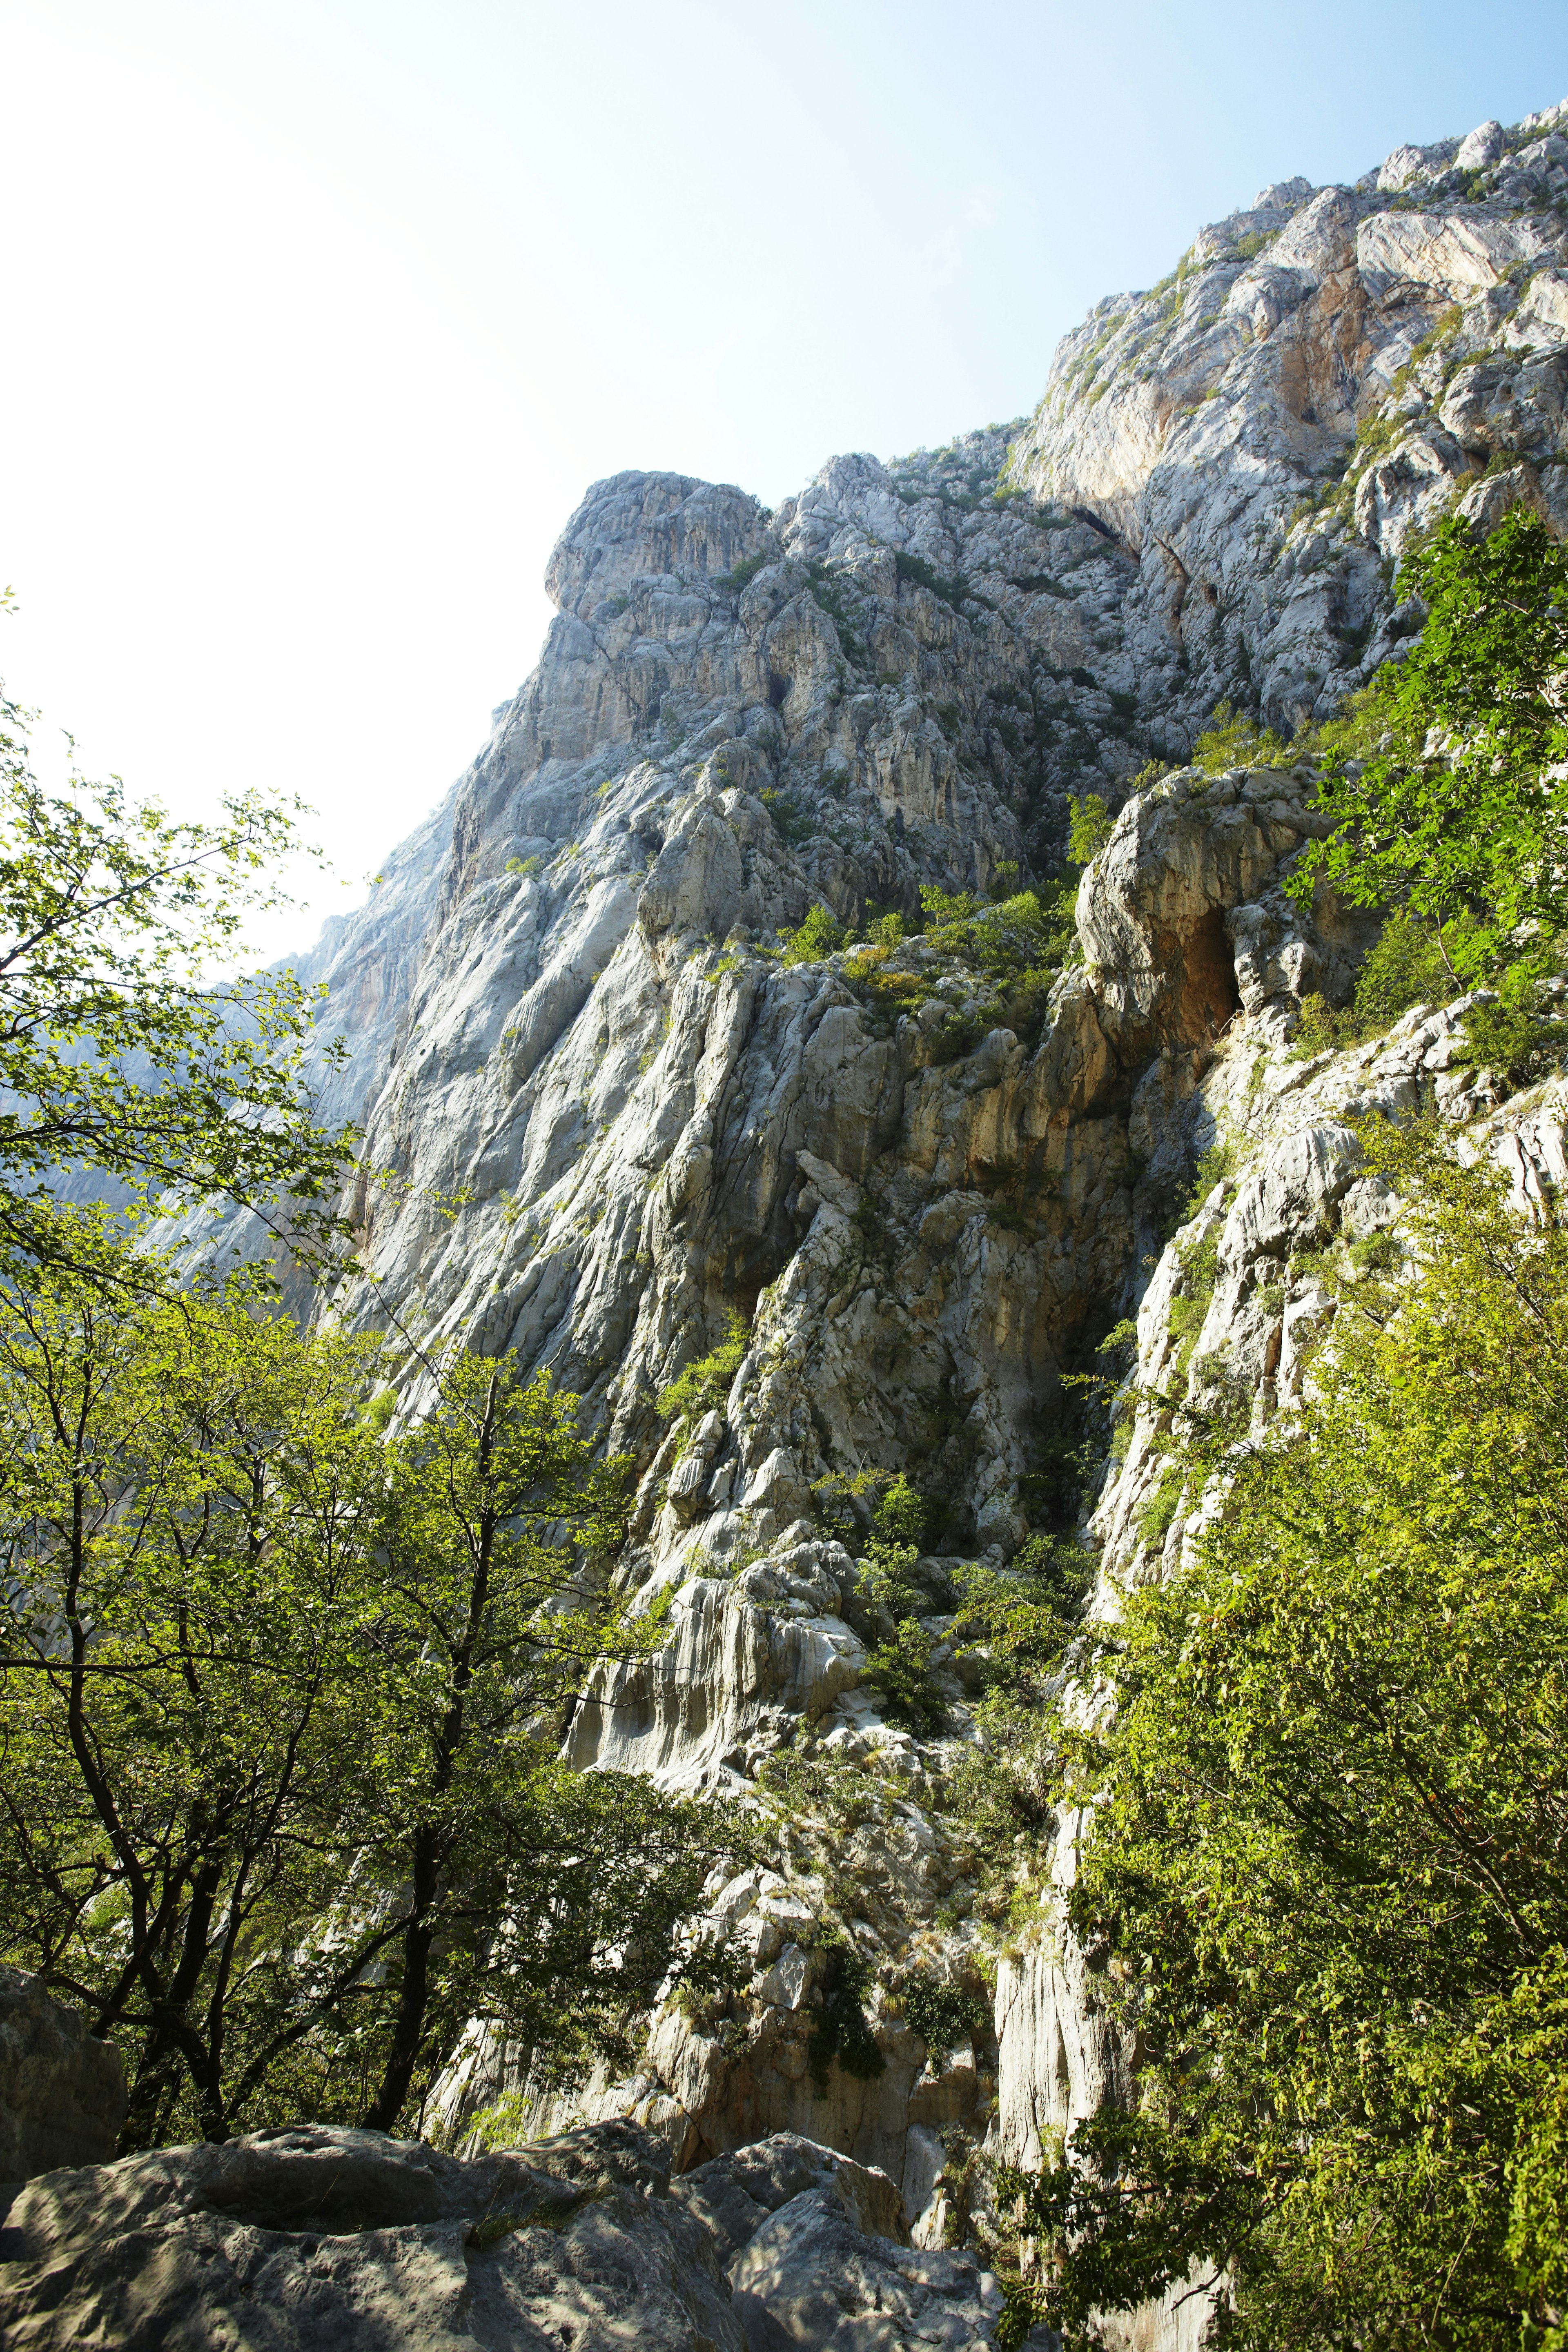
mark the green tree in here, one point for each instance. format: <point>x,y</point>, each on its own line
<point>819,936</point>
<point>187,1518</point>
<point>1327,1831</point>
<point>519,1881</point>
<point>1090,827</point>
<point>704,1385</point>
<point>1232,740</point>
<point>899,1664</point>
<point>1023,1616</point>
<point>1457,814</point>
<point>280,1799</point>
<point>121,1052</point>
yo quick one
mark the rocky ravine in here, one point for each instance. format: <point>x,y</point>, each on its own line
<point>605,1114</point>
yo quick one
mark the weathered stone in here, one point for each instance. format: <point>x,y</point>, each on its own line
<point>288,2240</point>
<point>733,2195</point>
<point>62,2094</point>
<point>809,2277</point>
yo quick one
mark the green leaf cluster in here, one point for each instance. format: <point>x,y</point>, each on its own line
<point>1458,819</point>
<point>1023,1616</point>
<point>1021,941</point>
<point>818,936</point>
<point>941,2013</point>
<point>1090,827</point>
<point>704,1385</point>
<point>899,1665</point>
<point>1231,739</point>
<point>840,2030</point>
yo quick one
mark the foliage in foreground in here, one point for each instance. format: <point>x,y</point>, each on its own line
<point>1329,1835</point>
<point>281,1703</point>
<point>121,1051</point>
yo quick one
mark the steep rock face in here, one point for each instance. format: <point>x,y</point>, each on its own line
<point>1324,372</point>
<point>605,1116</point>
<point>768,1635</point>
<point>891,681</point>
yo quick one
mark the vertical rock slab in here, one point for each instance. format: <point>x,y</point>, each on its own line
<point>62,2094</point>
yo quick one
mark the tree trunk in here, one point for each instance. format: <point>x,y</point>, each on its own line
<point>413,1994</point>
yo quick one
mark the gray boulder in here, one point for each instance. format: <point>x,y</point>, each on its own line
<point>733,2195</point>
<point>324,2240</point>
<point>62,2094</point>
<point>292,2240</point>
<point>809,2278</point>
<point>818,2255</point>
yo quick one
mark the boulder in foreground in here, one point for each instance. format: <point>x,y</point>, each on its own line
<point>324,2240</point>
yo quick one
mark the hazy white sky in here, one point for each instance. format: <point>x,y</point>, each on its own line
<point>320,314</point>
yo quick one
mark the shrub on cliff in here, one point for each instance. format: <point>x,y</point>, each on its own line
<point>900,1666</point>
<point>1232,740</point>
<point>817,937</point>
<point>704,1385</point>
<point>1458,816</point>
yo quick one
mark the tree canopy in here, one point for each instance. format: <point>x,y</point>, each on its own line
<point>281,1807</point>
<point>1456,811</point>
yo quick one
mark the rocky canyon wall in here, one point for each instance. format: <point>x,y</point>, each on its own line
<point>605,1116</point>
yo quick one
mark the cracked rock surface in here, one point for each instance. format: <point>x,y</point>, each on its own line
<point>62,2094</point>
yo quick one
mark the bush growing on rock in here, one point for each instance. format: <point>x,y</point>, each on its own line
<point>1232,740</point>
<point>840,2029</point>
<point>1088,829</point>
<point>1025,1615</point>
<point>704,1385</point>
<point>899,1667</point>
<point>1445,783</point>
<point>1018,942</point>
<point>1460,822</point>
<point>942,2013</point>
<point>816,937</point>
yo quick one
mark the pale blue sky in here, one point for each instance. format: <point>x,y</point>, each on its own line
<point>321,313</point>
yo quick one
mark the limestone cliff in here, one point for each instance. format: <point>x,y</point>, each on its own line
<point>602,1114</point>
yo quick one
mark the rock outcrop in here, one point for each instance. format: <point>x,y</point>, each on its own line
<point>608,1121</point>
<point>1324,372</point>
<point>291,2240</point>
<point>285,2240</point>
<point>62,2094</point>
<point>809,2277</point>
